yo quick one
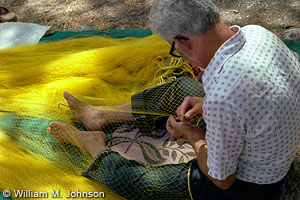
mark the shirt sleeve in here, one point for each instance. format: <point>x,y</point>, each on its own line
<point>224,138</point>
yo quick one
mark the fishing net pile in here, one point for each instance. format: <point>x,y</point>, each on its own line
<point>100,71</point>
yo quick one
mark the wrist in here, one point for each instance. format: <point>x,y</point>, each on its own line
<point>195,135</point>
<point>200,145</point>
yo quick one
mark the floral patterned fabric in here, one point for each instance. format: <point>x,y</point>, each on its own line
<point>162,149</point>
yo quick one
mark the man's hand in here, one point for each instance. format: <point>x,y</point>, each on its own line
<point>190,108</point>
<point>179,129</point>
<point>176,128</point>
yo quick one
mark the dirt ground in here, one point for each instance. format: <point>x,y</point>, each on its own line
<point>275,15</point>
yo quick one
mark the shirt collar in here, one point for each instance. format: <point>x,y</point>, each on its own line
<point>228,49</point>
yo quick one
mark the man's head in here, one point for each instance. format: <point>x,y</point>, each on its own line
<point>171,18</point>
<point>193,27</point>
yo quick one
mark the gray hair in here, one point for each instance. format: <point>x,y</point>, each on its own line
<point>170,18</point>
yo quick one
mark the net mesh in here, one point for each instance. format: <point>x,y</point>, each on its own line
<point>116,141</point>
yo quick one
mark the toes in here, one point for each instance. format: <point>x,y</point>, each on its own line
<point>53,126</point>
<point>53,129</point>
<point>71,100</point>
<point>67,95</point>
<point>63,132</point>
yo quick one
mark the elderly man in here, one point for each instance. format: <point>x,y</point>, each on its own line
<point>251,109</point>
<point>252,102</point>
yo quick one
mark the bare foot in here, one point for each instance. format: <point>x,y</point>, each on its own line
<point>91,141</point>
<point>91,117</point>
<point>7,16</point>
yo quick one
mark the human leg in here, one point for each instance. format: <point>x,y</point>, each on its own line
<point>90,141</point>
<point>146,107</point>
<point>133,180</point>
<point>127,178</point>
<point>94,118</point>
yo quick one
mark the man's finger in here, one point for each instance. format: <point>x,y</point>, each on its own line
<point>169,126</point>
<point>172,121</point>
<point>183,108</point>
<point>196,111</point>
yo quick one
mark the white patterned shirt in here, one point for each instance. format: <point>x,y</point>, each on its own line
<point>252,107</point>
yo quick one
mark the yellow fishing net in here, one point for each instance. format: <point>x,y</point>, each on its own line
<point>97,70</point>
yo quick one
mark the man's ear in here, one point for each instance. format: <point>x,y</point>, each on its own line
<point>185,44</point>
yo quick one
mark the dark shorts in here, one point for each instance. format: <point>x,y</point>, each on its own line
<point>202,188</point>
